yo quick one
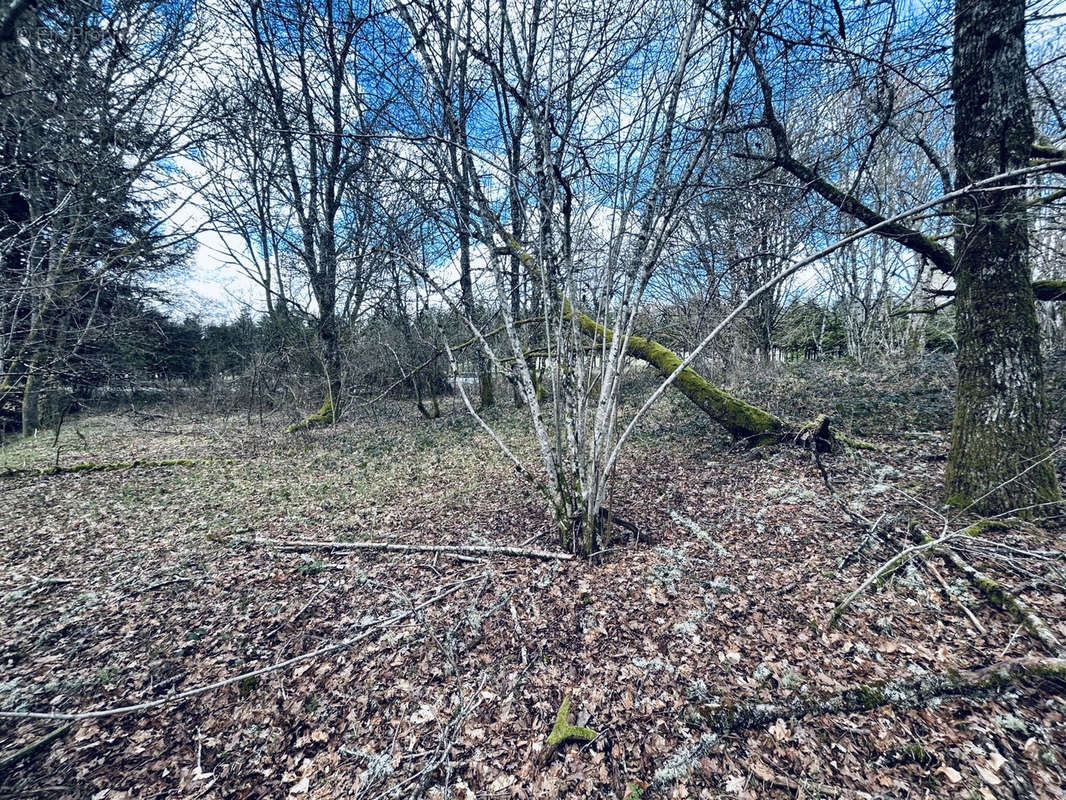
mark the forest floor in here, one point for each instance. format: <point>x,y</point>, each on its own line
<point>126,586</point>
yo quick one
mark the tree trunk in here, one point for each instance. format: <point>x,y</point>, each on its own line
<point>31,401</point>
<point>999,456</point>
<point>743,421</point>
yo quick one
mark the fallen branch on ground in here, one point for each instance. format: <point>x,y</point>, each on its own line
<point>1002,598</point>
<point>562,731</point>
<point>390,547</point>
<point>719,721</point>
<point>368,629</point>
<point>993,591</point>
<point>114,466</point>
<point>8,762</point>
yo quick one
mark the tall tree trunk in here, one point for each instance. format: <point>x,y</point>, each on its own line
<point>31,400</point>
<point>999,458</point>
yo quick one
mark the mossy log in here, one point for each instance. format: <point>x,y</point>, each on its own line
<point>562,731</point>
<point>743,420</point>
<point>717,721</point>
<point>112,466</point>
<point>7,763</point>
<point>325,416</point>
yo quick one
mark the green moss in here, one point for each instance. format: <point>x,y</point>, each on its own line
<point>958,500</point>
<point>247,685</point>
<point>741,419</point>
<point>326,415</point>
<point>562,731</point>
<point>985,526</point>
<point>870,697</point>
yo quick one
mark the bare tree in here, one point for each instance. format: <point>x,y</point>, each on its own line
<point>305,73</point>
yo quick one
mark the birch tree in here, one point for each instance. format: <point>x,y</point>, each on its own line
<point>610,153</point>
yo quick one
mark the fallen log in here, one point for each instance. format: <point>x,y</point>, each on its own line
<point>390,547</point>
<point>112,466</point>
<point>7,763</point>
<point>718,721</point>
<point>744,422</point>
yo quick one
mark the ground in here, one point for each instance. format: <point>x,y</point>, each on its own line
<point>121,587</point>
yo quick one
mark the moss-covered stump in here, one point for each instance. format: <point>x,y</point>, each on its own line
<point>324,417</point>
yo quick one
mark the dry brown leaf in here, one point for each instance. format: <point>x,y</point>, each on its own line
<point>952,774</point>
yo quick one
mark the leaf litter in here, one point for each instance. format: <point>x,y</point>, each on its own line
<point>126,586</point>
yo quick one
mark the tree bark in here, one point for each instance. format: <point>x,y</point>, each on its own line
<point>999,457</point>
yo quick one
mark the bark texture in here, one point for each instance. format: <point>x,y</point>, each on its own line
<point>998,458</point>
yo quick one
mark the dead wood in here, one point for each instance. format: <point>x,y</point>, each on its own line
<point>9,762</point>
<point>368,630</point>
<point>717,721</point>
<point>562,732</point>
<point>1003,598</point>
<point>111,466</point>
<point>390,547</point>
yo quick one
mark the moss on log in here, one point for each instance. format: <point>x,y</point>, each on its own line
<point>743,420</point>
<point>325,416</point>
<point>562,731</point>
<point>999,595</point>
<point>717,721</point>
<point>7,763</point>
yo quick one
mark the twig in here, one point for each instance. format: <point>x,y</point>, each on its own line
<point>113,466</point>
<point>296,616</point>
<point>911,692</point>
<point>1001,597</point>
<point>369,628</point>
<point>889,566</point>
<point>819,789</point>
<point>161,584</point>
<point>952,596</point>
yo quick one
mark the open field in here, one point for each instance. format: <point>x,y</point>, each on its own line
<point>124,586</point>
